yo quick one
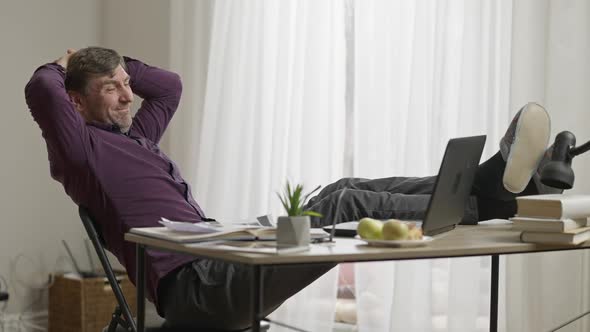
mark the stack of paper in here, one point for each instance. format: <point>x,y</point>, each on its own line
<point>178,231</point>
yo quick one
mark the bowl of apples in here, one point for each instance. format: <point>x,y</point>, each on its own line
<point>391,233</point>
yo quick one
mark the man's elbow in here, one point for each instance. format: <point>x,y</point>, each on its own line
<point>176,85</point>
<point>36,89</point>
<point>31,86</point>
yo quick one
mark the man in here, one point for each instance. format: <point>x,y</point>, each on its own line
<point>110,162</point>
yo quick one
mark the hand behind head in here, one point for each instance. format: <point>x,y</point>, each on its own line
<point>63,60</point>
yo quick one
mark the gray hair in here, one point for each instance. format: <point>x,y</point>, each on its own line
<point>88,63</point>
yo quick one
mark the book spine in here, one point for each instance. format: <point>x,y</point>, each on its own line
<point>548,238</point>
<point>575,208</point>
<point>558,227</point>
<point>554,238</point>
<point>549,225</point>
<point>529,210</point>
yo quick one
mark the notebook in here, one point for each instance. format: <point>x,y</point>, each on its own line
<point>451,189</point>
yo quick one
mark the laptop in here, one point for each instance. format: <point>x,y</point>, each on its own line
<point>451,189</point>
<point>83,274</point>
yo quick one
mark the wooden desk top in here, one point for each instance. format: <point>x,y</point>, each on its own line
<point>480,240</point>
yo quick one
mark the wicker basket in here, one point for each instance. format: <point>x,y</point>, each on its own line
<point>85,305</point>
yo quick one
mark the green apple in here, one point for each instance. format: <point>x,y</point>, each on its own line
<point>369,228</point>
<point>395,230</point>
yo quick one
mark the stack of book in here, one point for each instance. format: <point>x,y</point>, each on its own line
<point>553,219</point>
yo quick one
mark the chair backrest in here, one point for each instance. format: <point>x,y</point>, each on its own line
<point>98,243</point>
<point>129,323</point>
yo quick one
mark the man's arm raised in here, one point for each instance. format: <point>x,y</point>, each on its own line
<point>161,91</point>
<point>61,125</point>
<point>63,60</point>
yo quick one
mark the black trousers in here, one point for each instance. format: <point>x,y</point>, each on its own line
<point>214,294</point>
<point>403,198</point>
<point>407,198</point>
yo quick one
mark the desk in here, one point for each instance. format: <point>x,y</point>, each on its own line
<point>464,241</point>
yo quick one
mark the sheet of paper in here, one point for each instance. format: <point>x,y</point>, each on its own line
<point>201,227</point>
<point>259,247</point>
<point>496,222</point>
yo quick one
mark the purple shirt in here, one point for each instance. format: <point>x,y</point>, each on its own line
<point>124,180</point>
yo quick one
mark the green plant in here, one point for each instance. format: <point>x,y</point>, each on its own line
<point>293,201</point>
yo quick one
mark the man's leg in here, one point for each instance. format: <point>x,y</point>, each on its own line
<point>395,197</point>
<point>514,170</point>
<point>398,184</point>
<point>214,294</point>
<point>497,183</point>
<point>356,204</point>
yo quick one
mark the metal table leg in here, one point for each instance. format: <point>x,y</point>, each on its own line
<point>494,294</point>
<point>256,298</point>
<point>140,276</point>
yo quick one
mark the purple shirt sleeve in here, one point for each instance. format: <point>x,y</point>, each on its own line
<point>62,126</point>
<point>161,91</point>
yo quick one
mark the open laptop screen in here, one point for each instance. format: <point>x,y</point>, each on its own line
<point>453,184</point>
<point>451,191</point>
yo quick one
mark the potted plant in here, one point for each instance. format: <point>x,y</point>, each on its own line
<point>293,229</point>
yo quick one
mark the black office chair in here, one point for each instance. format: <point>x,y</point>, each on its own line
<point>122,319</point>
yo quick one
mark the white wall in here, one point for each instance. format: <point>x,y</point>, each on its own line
<point>550,65</point>
<point>552,68</point>
<point>36,215</point>
<point>568,78</point>
<point>139,29</point>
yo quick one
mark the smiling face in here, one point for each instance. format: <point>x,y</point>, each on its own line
<point>107,100</point>
<point>98,86</point>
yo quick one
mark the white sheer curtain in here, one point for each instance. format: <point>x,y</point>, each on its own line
<point>426,71</point>
<point>551,48</point>
<point>265,100</point>
<point>272,109</point>
<point>273,103</point>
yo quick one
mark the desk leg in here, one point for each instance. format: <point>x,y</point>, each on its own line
<point>256,298</point>
<point>140,279</point>
<point>494,294</point>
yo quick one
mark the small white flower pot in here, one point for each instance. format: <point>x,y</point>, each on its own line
<point>293,232</point>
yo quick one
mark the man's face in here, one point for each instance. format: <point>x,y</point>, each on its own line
<point>107,100</point>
